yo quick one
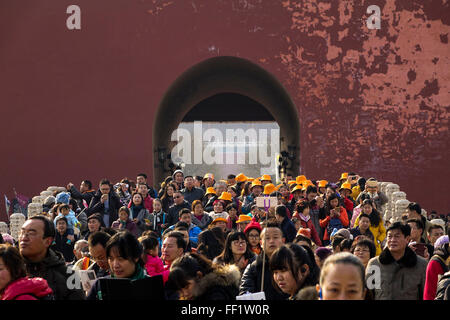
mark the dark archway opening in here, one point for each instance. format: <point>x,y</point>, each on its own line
<point>226,106</point>
<point>203,91</point>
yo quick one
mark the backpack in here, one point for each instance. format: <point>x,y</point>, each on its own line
<point>334,223</point>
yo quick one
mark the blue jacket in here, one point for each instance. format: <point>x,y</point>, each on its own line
<point>194,231</point>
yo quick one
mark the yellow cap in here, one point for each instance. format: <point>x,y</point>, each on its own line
<point>269,188</point>
<point>210,190</point>
<point>225,196</point>
<point>241,177</point>
<point>300,179</point>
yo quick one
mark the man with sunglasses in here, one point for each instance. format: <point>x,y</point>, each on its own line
<point>174,210</point>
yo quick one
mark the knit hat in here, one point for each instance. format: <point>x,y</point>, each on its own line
<point>440,241</point>
<point>323,253</point>
<point>8,238</point>
<point>63,197</point>
<point>252,225</point>
<point>61,218</point>
<point>439,222</point>
<point>306,232</point>
<point>345,233</point>
<point>175,172</point>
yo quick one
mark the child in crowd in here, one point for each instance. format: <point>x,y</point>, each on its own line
<point>63,210</point>
<point>153,263</point>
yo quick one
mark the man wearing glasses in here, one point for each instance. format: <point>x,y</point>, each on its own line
<point>35,238</point>
<point>174,210</point>
<point>105,202</point>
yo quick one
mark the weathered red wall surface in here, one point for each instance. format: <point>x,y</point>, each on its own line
<point>80,104</point>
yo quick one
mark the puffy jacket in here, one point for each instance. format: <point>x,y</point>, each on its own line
<point>154,265</point>
<point>314,234</point>
<point>379,234</point>
<point>194,231</point>
<point>220,284</point>
<point>252,277</point>
<point>53,269</point>
<point>66,249</point>
<point>400,280</point>
<point>443,288</point>
<point>27,289</point>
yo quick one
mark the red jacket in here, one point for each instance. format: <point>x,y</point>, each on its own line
<point>314,234</point>
<point>324,222</point>
<point>148,203</point>
<point>27,289</point>
<point>434,269</point>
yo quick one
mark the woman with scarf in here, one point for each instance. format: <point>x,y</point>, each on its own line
<point>139,214</point>
<point>302,213</point>
<point>124,254</point>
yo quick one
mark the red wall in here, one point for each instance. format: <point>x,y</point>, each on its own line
<point>79,104</point>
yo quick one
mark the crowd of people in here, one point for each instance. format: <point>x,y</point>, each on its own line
<point>209,239</point>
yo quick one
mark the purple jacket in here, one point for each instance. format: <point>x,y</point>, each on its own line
<point>130,226</point>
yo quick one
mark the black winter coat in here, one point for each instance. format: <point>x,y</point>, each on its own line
<point>61,245</point>
<point>172,214</point>
<point>252,277</point>
<point>79,197</point>
<point>96,206</point>
<point>53,269</point>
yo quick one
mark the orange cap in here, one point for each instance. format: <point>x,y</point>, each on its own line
<point>244,218</point>
<point>241,177</point>
<point>225,196</point>
<point>266,177</point>
<point>210,190</point>
<point>323,183</point>
<point>269,188</point>
<point>346,185</point>
<point>255,183</point>
<point>300,179</point>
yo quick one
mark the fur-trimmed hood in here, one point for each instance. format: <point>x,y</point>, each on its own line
<point>408,260</point>
<point>224,276</point>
